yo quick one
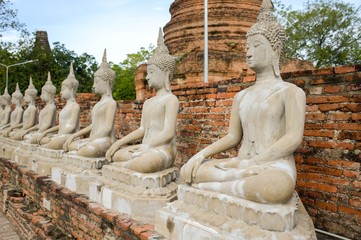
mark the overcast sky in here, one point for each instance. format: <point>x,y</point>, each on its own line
<point>121,26</point>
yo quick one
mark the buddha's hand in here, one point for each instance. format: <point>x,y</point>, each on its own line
<point>112,150</point>
<point>67,144</point>
<point>41,136</point>
<point>190,169</point>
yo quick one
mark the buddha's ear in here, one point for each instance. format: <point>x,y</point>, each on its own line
<point>166,80</point>
<point>276,63</point>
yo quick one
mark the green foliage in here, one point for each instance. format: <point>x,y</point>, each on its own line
<point>124,87</point>
<point>325,32</point>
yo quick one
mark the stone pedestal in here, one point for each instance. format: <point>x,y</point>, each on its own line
<point>207,215</point>
<point>7,147</point>
<point>45,159</point>
<point>23,155</point>
<point>76,172</point>
<point>136,194</point>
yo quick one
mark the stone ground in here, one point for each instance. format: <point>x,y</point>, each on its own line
<point>6,229</point>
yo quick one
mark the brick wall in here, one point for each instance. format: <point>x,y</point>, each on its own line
<point>71,215</point>
<point>328,161</point>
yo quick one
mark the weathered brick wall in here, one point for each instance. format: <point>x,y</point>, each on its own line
<point>71,215</point>
<point>328,161</point>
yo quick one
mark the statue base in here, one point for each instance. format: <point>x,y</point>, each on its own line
<point>76,172</point>
<point>7,147</point>
<point>139,195</point>
<point>23,155</point>
<point>199,214</point>
<point>45,159</point>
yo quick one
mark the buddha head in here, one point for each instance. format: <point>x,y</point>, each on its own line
<point>30,92</point>
<point>70,85</point>
<point>161,65</point>
<point>48,90</point>
<point>17,96</point>
<point>104,77</point>
<point>265,41</point>
<point>5,98</point>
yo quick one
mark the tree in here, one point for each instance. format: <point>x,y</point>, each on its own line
<point>10,22</point>
<point>325,32</point>
<point>124,87</point>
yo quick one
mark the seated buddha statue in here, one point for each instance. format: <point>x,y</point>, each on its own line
<point>16,115</point>
<point>5,101</point>
<point>30,115</point>
<point>266,118</point>
<point>158,122</point>
<point>68,116</point>
<point>47,115</point>
<point>101,129</point>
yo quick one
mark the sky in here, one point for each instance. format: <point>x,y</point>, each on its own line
<point>120,26</point>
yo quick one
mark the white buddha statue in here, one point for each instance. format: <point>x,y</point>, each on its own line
<point>158,123</point>
<point>5,101</point>
<point>266,118</point>
<point>101,130</point>
<point>68,116</point>
<point>16,115</point>
<point>47,115</point>
<point>30,115</point>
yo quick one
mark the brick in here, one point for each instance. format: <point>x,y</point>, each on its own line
<point>349,210</point>
<point>355,203</point>
<point>311,108</point>
<point>137,229</point>
<point>351,174</point>
<point>327,206</point>
<point>315,116</point>
<point>331,144</point>
<point>333,89</point>
<point>318,186</point>
<point>109,215</point>
<point>344,69</point>
<point>356,116</point>
<point>316,90</point>
<point>323,71</point>
<point>342,126</point>
<point>344,164</point>
<point>328,99</point>
<point>124,223</point>
<point>319,133</point>
<point>339,116</point>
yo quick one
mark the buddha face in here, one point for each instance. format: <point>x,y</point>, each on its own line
<point>155,77</point>
<point>27,98</point>
<point>14,100</point>
<point>45,96</point>
<point>259,53</point>
<point>65,91</point>
<point>99,86</point>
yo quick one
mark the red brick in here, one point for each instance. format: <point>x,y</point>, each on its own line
<point>315,116</point>
<point>351,174</point>
<point>333,89</point>
<point>109,215</point>
<point>327,206</point>
<point>329,107</point>
<point>342,126</point>
<point>137,229</point>
<point>311,108</point>
<point>323,71</point>
<point>332,144</point>
<point>328,99</point>
<point>339,116</point>
<point>124,223</point>
<point>349,210</point>
<point>356,116</point>
<point>346,164</point>
<point>319,133</point>
<point>249,79</point>
<point>356,184</point>
<point>355,203</point>
<point>318,186</point>
<point>344,69</point>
